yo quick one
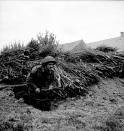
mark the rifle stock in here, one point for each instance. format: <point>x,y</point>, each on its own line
<point>12,86</point>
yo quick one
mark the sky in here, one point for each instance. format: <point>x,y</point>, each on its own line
<point>69,20</point>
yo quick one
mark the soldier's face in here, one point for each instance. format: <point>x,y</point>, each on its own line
<point>50,66</point>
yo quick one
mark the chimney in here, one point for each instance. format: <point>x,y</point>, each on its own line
<point>122,34</point>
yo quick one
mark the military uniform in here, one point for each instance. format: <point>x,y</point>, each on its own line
<point>43,79</point>
<point>39,78</point>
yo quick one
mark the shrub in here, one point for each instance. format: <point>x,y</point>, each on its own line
<point>33,45</point>
<point>43,45</point>
<point>106,49</point>
<point>48,44</point>
<point>33,48</point>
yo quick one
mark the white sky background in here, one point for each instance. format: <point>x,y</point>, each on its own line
<point>69,21</point>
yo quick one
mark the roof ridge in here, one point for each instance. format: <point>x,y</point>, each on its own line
<point>105,39</point>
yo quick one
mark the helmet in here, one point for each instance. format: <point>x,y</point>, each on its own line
<point>48,59</point>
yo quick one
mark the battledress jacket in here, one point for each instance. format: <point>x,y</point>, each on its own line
<point>39,78</point>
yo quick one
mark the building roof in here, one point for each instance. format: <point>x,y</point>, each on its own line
<point>117,42</point>
<point>76,46</point>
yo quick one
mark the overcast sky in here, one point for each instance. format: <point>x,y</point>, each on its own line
<point>69,21</point>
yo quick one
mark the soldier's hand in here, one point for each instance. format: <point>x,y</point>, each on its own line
<point>51,87</point>
<point>37,90</point>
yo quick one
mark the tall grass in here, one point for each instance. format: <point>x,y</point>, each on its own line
<point>12,47</point>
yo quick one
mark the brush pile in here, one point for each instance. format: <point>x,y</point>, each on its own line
<point>78,71</point>
<point>13,67</point>
<point>91,67</point>
<point>87,70</point>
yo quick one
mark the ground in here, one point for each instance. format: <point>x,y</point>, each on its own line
<point>102,109</point>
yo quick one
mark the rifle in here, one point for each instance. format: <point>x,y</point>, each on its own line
<point>4,86</point>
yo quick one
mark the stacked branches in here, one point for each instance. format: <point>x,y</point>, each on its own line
<point>13,66</point>
<point>76,78</point>
<point>106,64</point>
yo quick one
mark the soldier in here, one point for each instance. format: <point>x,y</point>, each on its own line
<point>43,77</point>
